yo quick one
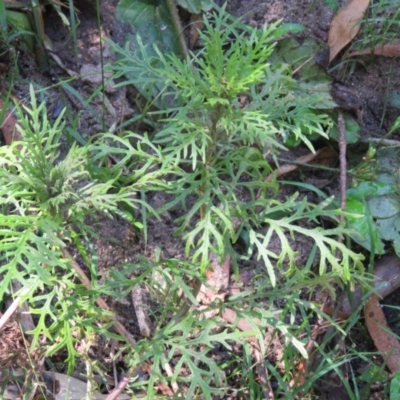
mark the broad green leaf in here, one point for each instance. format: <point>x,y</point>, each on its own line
<point>352,128</point>
<point>369,189</point>
<point>196,6</point>
<point>311,77</point>
<point>367,234</point>
<point>378,204</point>
<point>393,98</point>
<point>395,387</point>
<point>20,22</point>
<point>152,22</point>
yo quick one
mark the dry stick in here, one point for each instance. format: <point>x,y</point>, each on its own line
<point>10,311</point>
<point>100,302</point>
<point>119,388</point>
<point>25,317</point>
<point>141,314</point>
<point>168,370</point>
<point>343,187</point>
<point>343,163</point>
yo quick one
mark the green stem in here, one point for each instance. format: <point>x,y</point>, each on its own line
<point>178,27</point>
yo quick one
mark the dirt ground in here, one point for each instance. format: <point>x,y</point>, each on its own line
<point>362,93</point>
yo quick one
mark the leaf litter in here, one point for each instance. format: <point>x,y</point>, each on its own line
<point>345,26</point>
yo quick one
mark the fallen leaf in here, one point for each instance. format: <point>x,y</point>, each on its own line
<point>196,25</point>
<point>387,50</point>
<point>345,26</point>
<point>324,156</point>
<point>217,283</point>
<point>8,126</point>
<point>377,327</point>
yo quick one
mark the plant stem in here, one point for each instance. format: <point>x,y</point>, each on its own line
<point>178,27</point>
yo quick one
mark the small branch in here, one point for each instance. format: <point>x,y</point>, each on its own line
<point>119,388</point>
<point>10,311</point>
<point>141,314</point>
<point>343,162</point>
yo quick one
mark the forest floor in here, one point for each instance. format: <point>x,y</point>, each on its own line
<point>361,91</point>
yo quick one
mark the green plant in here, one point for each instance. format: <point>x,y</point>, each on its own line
<point>45,198</point>
<point>332,4</point>
<point>225,110</point>
<point>224,113</point>
<point>188,345</point>
<point>395,386</point>
<point>380,25</point>
<point>26,21</point>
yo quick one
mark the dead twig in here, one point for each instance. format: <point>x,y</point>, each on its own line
<point>141,315</point>
<point>343,163</point>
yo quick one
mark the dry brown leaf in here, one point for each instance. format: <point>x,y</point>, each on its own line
<point>8,127</point>
<point>323,156</point>
<point>345,26</point>
<point>196,25</point>
<point>384,341</point>
<point>387,50</point>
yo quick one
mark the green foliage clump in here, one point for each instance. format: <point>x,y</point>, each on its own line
<point>44,200</point>
<point>225,112</point>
